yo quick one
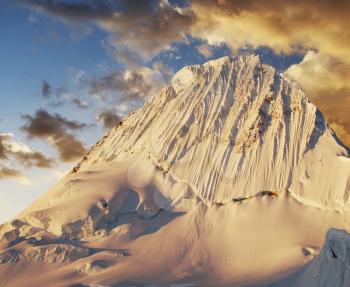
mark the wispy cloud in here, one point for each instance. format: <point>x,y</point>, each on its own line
<point>32,19</point>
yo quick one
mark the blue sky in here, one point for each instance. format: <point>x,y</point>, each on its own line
<point>77,55</point>
<point>34,48</point>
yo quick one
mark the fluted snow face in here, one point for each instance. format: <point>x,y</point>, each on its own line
<point>230,128</point>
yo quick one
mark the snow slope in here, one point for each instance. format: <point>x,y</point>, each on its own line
<point>228,176</point>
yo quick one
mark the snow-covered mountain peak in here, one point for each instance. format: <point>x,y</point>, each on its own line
<point>229,172</point>
<point>218,124</point>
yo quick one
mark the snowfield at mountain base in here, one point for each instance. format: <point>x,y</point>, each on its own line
<point>229,176</point>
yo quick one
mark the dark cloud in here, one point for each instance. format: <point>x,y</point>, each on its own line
<point>108,118</point>
<point>55,130</point>
<point>6,172</point>
<point>35,158</point>
<point>131,85</point>
<point>44,124</point>
<point>46,90</point>
<point>69,147</point>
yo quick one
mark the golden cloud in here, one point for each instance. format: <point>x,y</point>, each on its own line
<point>326,80</point>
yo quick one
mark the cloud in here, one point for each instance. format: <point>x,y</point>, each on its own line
<point>22,153</point>
<point>131,85</point>
<point>6,172</point>
<point>54,129</point>
<point>127,90</point>
<point>284,26</point>
<point>205,50</point>
<point>163,70</point>
<point>123,55</point>
<point>46,89</point>
<point>342,132</point>
<point>57,97</point>
<point>32,19</point>
<point>60,96</point>
<point>146,26</point>
<point>326,80</point>
<point>73,11</point>
<point>78,76</point>
<point>150,26</point>
<point>2,150</point>
<point>108,118</point>
<point>321,73</point>
<point>79,103</point>
<point>34,158</point>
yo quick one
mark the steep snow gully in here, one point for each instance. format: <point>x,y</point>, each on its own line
<point>229,176</point>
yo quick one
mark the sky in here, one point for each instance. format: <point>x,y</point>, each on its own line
<point>72,69</point>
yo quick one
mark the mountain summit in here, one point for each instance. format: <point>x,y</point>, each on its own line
<point>228,176</point>
<point>232,128</point>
